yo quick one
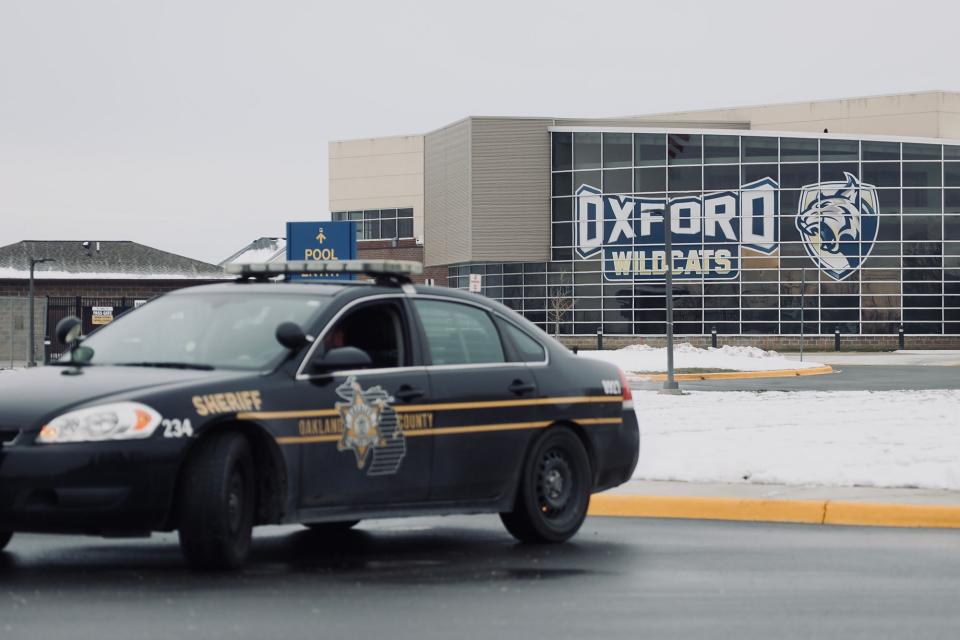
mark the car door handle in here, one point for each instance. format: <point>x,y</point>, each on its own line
<point>408,393</point>
<point>519,387</point>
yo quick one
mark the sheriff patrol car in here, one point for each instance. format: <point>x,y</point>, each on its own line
<point>217,408</point>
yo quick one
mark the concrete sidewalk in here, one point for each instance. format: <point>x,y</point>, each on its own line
<point>930,358</point>
<point>863,506</point>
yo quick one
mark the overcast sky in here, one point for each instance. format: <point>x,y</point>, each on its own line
<point>196,126</point>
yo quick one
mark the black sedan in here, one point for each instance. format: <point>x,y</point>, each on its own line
<point>220,407</point>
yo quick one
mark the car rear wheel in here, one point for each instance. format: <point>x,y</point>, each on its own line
<point>554,490</point>
<point>5,539</point>
<point>332,527</point>
<point>216,504</point>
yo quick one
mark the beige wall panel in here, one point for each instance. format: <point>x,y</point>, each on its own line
<point>511,189</point>
<point>380,165</point>
<point>376,146</point>
<point>447,233</point>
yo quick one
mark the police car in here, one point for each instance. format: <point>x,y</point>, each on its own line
<point>217,408</point>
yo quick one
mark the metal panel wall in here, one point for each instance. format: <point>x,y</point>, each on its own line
<point>510,189</point>
<point>447,197</point>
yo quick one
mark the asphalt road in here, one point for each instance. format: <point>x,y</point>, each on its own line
<point>844,378</point>
<point>463,577</point>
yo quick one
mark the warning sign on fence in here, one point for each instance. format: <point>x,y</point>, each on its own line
<point>102,315</point>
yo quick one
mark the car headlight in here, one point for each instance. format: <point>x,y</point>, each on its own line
<point>118,421</point>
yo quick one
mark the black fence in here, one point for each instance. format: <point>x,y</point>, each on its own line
<point>93,313</point>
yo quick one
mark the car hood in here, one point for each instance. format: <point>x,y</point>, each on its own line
<point>30,397</point>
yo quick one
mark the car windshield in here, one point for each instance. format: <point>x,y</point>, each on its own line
<point>202,330</point>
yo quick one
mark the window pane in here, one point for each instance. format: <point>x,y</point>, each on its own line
<point>618,181</point>
<point>721,149</point>
<point>839,150</point>
<point>797,175</point>
<point>758,149</point>
<point>921,174</point>
<point>586,150</point>
<point>458,333</point>
<point>649,149</point>
<point>727,177</point>
<point>912,151</point>
<point>617,149</point>
<point>388,228</point>
<point>562,151</point>
<point>880,150</point>
<point>404,213</point>
<point>563,184</point>
<point>651,180</point>
<point>388,213</point>
<point>882,174</point>
<point>684,179</point>
<point>685,148</point>
<point>405,227</point>
<point>951,153</point>
<point>921,200</point>
<point>528,349</point>
<point>798,150</point>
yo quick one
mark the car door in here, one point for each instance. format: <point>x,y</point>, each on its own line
<point>356,452</point>
<point>485,405</point>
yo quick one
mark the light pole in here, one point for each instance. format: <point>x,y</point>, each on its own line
<point>31,351</point>
<point>670,385</point>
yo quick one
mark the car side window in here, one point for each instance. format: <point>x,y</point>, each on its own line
<point>459,333</point>
<point>528,349</point>
<point>376,328</point>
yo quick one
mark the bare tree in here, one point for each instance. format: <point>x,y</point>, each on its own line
<point>559,303</point>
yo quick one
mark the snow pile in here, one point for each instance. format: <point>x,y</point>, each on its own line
<point>644,358</point>
<point>836,438</point>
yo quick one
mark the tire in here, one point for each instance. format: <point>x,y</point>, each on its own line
<point>554,490</point>
<point>331,528</point>
<point>216,503</point>
<point>5,539</point>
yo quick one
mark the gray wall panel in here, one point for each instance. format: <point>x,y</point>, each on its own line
<point>510,189</point>
<point>447,232</point>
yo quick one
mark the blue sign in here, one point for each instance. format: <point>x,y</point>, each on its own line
<point>321,241</point>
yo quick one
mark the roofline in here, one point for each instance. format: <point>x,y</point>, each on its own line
<point>757,133</point>
<point>796,102</point>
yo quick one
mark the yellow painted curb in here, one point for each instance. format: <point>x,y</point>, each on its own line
<point>736,375</point>
<point>834,512</point>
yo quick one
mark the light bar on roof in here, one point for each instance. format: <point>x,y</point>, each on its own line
<point>400,268</point>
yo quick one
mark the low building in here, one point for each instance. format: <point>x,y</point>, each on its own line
<point>94,280</point>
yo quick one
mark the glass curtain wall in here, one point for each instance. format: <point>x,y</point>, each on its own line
<point>872,226</point>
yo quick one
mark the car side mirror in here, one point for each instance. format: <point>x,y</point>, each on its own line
<point>68,330</point>
<point>343,358</point>
<point>291,336</point>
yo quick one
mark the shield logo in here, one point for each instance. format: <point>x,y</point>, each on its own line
<point>838,222</point>
<point>370,428</point>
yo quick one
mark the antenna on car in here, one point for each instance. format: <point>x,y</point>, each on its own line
<point>394,273</point>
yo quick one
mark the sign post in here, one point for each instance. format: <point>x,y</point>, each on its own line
<point>321,241</point>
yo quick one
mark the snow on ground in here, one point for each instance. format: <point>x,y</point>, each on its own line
<point>831,438</point>
<point>644,358</point>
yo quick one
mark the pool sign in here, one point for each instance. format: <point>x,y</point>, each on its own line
<point>321,241</point>
<point>838,222</point>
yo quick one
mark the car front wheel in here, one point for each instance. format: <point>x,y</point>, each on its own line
<point>554,490</point>
<point>5,539</point>
<point>217,503</point>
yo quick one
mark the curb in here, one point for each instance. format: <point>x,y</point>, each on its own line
<point>830,512</point>
<point>736,375</point>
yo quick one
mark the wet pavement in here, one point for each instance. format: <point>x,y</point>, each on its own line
<point>464,577</point>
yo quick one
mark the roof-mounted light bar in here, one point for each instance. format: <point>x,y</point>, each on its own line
<point>383,271</point>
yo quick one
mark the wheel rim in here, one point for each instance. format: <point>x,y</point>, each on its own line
<point>235,501</point>
<point>556,484</point>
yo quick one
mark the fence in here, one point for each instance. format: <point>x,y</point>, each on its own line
<point>93,312</point>
<point>15,330</point>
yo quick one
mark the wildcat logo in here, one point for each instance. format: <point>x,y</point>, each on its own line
<point>838,222</point>
<point>370,428</point>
